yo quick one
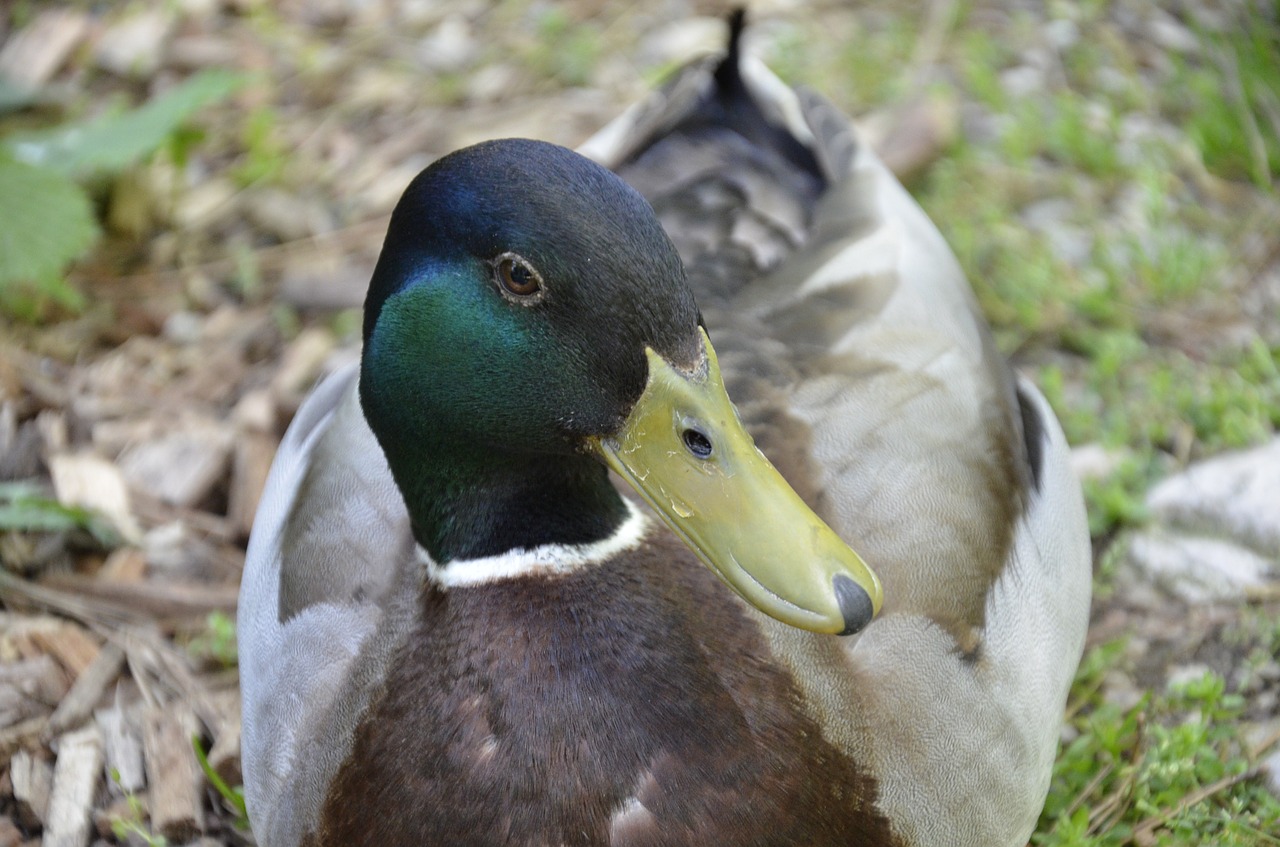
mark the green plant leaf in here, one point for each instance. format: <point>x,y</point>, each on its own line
<point>23,508</point>
<point>48,221</point>
<point>116,141</point>
<point>234,797</point>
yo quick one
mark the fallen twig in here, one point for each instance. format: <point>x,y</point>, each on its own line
<point>1143,834</point>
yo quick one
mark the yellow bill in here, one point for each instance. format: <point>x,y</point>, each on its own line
<point>687,454</point>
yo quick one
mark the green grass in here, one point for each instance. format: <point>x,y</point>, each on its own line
<point>859,70</point>
<point>1157,254</point>
<point>564,50</point>
<point>1170,770</point>
<point>232,796</point>
<point>1067,129</point>
<point>217,644</point>
<point>1117,500</point>
<point>265,155</point>
<point>131,828</point>
<point>1230,99</point>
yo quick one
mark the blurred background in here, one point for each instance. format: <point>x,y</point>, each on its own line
<point>192,196</point>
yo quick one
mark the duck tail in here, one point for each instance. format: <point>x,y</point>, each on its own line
<point>735,106</point>
<point>727,74</point>
<point>731,92</point>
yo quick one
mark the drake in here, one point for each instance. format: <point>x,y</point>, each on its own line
<point>457,628</point>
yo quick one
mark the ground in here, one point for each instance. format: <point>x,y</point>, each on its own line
<point>192,195</point>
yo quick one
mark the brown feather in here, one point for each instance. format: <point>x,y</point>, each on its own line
<point>634,703</point>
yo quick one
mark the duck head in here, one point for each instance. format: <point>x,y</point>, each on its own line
<point>529,324</point>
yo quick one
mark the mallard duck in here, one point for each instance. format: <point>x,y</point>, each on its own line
<point>457,628</point>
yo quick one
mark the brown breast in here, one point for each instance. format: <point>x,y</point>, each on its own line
<point>633,703</point>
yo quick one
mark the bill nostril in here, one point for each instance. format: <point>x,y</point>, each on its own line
<point>697,443</point>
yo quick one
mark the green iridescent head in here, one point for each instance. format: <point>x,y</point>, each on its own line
<point>528,322</point>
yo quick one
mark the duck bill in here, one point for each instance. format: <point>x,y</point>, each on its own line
<point>685,451</point>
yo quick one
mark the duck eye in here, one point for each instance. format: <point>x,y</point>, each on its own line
<point>517,276</point>
<point>697,443</point>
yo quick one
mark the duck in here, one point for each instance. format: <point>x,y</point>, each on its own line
<point>546,567</point>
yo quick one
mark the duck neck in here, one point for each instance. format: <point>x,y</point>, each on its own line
<point>468,503</point>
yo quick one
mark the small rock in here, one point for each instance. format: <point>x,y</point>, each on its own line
<point>287,216</point>
<point>32,779</point>
<point>252,462</point>
<point>1139,590</point>
<point>1181,675</point>
<point>419,14</point>
<point>229,325</point>
<point>1022,81</point>
<point>450,47</point>
<point>1264,739</point>
<point>83,479</point>
<point>1119,689</point>
<point>323,281</point>
<point>198,9</point>
<point>181,468</point>
<point>387,185</point>
<point>1136,133</point>
<point>206,203</point>
<point>1095,462</point>
<point>111,437</point>
<point>194,52</point>
<point>1169,33</point>
<point>52,426</point>
<point>680,39</point>
<point>125,564</point>
<point>135,46</point>
<point>1048,213</point>
<point>1258,735</point>
<point>1236,495</point>
<point>33,54</point>
<point>316,13</point>
<point>175,550</point>
<point>1070,243</point>
<point>163,545</point>
<point>978,125</point>
<point>1114,81</point>
<point>75,779</point>
<point>122,748</point>
<point>1265,702</point>
<point>301,366</point>
<point>491,83</point>
<point>255,411</point>
<point>345,356</point>
<point>1198,570</point>
<point>378,86</point>
<point>1062,33</point>
<point>183,327</point>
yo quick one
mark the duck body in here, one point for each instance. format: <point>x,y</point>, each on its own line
<point>455,631</point>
